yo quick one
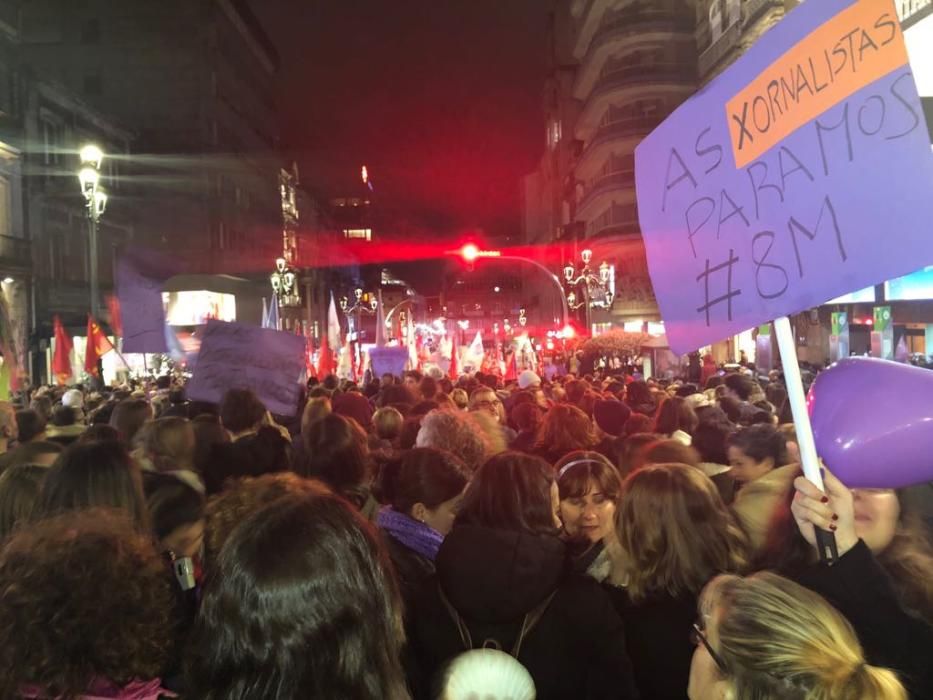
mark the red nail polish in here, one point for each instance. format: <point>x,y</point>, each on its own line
<point>835,517</point>
<point>832,527</point>
<point>824,499</point>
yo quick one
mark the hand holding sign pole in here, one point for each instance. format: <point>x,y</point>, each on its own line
<point>825,541</point>
<point>801,173</point>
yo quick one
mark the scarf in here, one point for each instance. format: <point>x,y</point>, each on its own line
<point>416,536</point>
<point>105,690</point>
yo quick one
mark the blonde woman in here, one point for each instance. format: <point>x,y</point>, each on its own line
<point>675,534</point>
<point>766,637</point>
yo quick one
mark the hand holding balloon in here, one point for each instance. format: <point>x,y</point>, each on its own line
<point>832,511</point>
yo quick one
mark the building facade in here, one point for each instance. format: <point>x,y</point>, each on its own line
<point>619,67</point>
<point>195,81</point>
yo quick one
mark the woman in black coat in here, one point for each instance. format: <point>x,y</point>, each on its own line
<point>501,581</point>
<point>675,534</point>
<point>423,490</point>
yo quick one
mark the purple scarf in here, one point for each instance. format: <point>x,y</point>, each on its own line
<point>421,538</point>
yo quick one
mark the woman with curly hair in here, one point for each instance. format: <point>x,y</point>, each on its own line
<point>565,429</point>
<point>301,604</point>
<point>675,534</point>
<point>456,432</point>
<point>84,610</point>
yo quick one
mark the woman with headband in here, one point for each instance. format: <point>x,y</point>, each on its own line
<point>589,487</point>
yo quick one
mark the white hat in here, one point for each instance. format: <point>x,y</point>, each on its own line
<point>73,399</point>
<point>527,379</point>
<point>487,673</point>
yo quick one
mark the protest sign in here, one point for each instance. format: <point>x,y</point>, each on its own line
<point>388,360</point>
<point>801,173</point>
<point>141,276</point>
<point>237,356</point>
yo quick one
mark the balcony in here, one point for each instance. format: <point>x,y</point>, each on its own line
<point>611,182</point>
<point>15,253</point>
<point>912,11</point>
<point>637,23</point>
<point>719,49</point>
<point>753,9</point>
<point>642,74</point>
<point>637,127</point>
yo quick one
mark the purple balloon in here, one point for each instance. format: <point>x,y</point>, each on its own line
<point>873,422</point>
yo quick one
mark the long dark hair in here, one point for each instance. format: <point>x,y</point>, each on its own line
<point>422,475</point>
<point>300,604</point>
<point>94,475</point>
<point>511,491</point>
<point>338,453</point>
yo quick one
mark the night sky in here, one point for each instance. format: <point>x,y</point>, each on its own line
<point>441,99</point>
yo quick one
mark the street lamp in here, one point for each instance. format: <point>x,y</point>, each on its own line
<point>284,284</point>
<point>95,204</point>
<point>359,308</point>
<point>598,288</point>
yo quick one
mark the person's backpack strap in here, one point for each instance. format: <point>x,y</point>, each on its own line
<point>531,619</point>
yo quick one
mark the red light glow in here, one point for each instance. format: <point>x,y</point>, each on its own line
<point>569,331</point>
<point>470,252</point>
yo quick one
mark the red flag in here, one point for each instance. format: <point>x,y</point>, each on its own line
<point>511,371</point>
<point>325,363</point>
<point>61,361</point>
<point>116,321</point>
<point>454,370</point>
<point>98,345</point>
<point>309,355</point>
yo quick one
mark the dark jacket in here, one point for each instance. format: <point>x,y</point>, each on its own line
<point>657,634</point>
<point>412,570</point>
<point>859,588</point>
<point>493,579</point>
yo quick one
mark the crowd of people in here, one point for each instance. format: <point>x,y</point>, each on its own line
<point>413,537</point>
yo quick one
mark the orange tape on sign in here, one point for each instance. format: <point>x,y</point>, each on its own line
<point>855,48</point>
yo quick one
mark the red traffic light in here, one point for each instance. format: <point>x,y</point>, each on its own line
<point>470,252</point>
<point>569,332</point>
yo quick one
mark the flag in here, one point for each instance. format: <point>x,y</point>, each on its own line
<point>380,322</point>
<point>98,345</point>
<point>351,352</point>
<point>141,276</point>
<point>309,355</point>
<point>412,344</point>
<point>511,371</point>
<point>270,317</point>
<point>454,370</point>
<point>116,320</point>
<point>476,352</point>
<point>61,361</point>
<point>325,360</point>
<point>333,324</point>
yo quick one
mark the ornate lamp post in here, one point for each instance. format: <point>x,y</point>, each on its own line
<point>359,307</point>
<point>598,287</point>
<point>284,284</point>
<point>96,203</point>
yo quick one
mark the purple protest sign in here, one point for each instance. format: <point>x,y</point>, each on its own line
<point>237,356</point>
<point>800,174</point>
<point>388,360</point>
<point>141,275</point>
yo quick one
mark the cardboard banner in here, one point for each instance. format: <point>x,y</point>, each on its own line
<point>141,276</point>
<point>800,174</point>
<point>237,356</point>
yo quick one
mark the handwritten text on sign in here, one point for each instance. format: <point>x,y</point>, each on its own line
<point>784,184</point>
<point>237,356</point>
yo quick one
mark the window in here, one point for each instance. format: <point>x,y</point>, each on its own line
<point>5,213</point>
<point>90,31</point>
<point>93,85</point>
<point>51,132</point>
<point>363,234</point>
